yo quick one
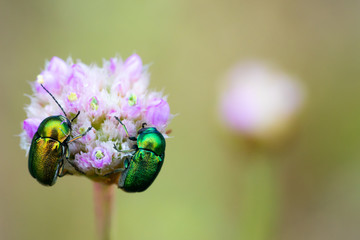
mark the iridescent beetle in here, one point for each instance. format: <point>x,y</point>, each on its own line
<point>49,146</point>
<point>142,168</point>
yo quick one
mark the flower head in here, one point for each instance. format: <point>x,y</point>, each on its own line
<point>119,88</point>
<point>259,102</point>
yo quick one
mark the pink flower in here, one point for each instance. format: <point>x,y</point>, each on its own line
<point>113,65</point>
<point>82,160</point>
<point>72,102</point>
<point>57,70</point>
<point>30,126</point>
<point>157,112</point>
<point>100,157</point>
<point>133,66</point>
<point>132,107</point>
<point>132,112</point>
<point>121,86</point>
<point>77,77</point>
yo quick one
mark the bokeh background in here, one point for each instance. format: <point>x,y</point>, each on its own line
<point>209,187</point>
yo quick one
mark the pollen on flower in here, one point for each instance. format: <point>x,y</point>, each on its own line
<point>40,79</point>
<point>132,100</point>
<point>118,88</point>
<point>82,130</point>
<point>94,104</point>
<point>99,154</point>
<point>72,97</point>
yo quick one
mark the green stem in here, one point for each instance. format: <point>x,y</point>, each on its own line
<point>104,202</point>
<point>260,205</point>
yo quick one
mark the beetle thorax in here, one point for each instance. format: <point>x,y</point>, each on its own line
<point>55,127</point>
<point>152,140</point>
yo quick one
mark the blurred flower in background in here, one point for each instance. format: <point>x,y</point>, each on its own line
<point>260,103</point>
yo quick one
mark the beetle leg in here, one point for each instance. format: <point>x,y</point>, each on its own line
<point>125,163</point>
<point>74,166</point>
<point>116,148</point>
<point>67,156</point>
<point>60,174</point>
<point>115,171</point>
<point>67,153</point>
<point>124,151</point>
<point>127,133</point>
<point>63,171</point>
<point>80,136</point>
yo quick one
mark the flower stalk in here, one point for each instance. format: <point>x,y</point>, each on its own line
<point>104,208</point>
<point>260,204</point>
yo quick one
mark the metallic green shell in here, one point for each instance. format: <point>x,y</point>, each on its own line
<point>151,139</point>
<point>143,168</point>
<point>55,127</point>
<point>45,157</point>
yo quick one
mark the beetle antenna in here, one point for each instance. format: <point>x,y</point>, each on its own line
<point>127,133</point>
<point>143,125</point>
<point>54,99</point>
<point>75,116</point>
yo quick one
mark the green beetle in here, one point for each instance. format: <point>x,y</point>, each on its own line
<point>144,165</point>
<point>49,146</point>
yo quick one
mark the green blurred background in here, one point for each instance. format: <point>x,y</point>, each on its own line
<point>209,187</point>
